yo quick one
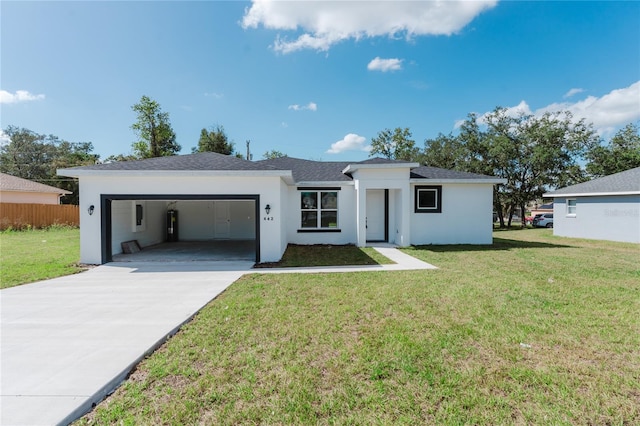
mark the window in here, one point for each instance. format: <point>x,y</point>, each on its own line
<point>319,209</point>
<point>138,214</point>
<point>428,199</point>
<point>571,207</point>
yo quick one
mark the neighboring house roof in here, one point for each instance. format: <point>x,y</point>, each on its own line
<point>623,183</point>
<point>301,170</point>
<point>16,184</point>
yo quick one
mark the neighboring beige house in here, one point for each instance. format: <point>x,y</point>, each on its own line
<point>22,191</point>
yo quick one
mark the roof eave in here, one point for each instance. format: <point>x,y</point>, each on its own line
<point>34,191</point>
<point>589,194</point>
<point>324,183</point>
<point>238,173</point>
<point>493,181</point>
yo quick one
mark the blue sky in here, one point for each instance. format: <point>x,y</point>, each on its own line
<point>314,80</point>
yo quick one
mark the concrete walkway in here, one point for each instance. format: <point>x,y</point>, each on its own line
<point>404,262</point>
<point>68,342</point>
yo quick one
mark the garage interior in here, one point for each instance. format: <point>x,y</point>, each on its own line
<point>211,228</point>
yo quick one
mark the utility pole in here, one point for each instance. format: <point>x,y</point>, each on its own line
<point>248,150</point>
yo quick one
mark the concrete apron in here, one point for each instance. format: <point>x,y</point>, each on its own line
<point>67,342</point>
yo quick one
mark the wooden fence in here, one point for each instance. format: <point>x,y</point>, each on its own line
<point>14,215</point>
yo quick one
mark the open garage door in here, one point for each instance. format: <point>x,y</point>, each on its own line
<point>170,227</point>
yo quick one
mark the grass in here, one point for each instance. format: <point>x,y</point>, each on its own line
<point>38,254</point>
<point>532,330</point>
<point>328,255</point>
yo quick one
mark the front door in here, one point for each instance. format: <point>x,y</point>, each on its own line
<point>222,217</point>
<point>376,215</point>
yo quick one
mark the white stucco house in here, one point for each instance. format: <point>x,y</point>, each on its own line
<point>23,191</point>
<point>277,202</point>
<point>606,208</point>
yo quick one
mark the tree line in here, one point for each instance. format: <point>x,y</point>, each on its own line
<point>532,153</point>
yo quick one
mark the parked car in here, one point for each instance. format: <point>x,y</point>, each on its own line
<point>544,220</point>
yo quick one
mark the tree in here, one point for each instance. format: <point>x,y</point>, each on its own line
<point>620,154</point>
<point>156,138</point>
<point>270,155</point>
<point>396,145</point>
<point>214,140</point>
<point>445,151</point>
<point>531,153</point>
<point>37,157</point>
<point>120,157</point>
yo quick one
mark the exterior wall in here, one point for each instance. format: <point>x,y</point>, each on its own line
<point>91,187</point>
<point>346,219</point>
<point>458,223</point>
<point>29,197</point>
<point>614,218</point>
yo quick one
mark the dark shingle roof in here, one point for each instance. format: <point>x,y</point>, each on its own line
<point>426,172</point>
<point>302,170</point>
<point>310,171</point>
<point>199,161</point>
<point>627,181</point>
<point>380,160</point>
<point>13,183</point>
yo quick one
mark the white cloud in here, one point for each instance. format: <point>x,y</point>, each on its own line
<point>614,109</point>
<point>311,106</point>
<point>4,138</point>
<point>572,92</point>
<point>19,96</point>
<point>325,23</point>
<point>350,142</point>
<point>384,65</point>
<point>214,95</point>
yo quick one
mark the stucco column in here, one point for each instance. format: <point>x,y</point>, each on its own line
<point>361,214</point>
<point>405,216</point>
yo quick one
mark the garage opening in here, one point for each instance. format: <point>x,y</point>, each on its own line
<point>173,227</point>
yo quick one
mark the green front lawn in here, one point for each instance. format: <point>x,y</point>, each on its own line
<point>532,330</point>
<point>38,254</point>
<point>328,255</point>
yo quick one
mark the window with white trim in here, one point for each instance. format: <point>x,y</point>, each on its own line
<point>319,209</point>
<point>428,199</point>
<point>571,207</point>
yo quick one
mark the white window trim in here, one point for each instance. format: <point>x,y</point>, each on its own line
<point>437,191</point>
<point>575,207</point>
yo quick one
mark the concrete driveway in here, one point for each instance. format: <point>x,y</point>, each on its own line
<point>65,342</point>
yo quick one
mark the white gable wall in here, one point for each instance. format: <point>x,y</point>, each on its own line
<point>614,218</point>
<point>466,216</point>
